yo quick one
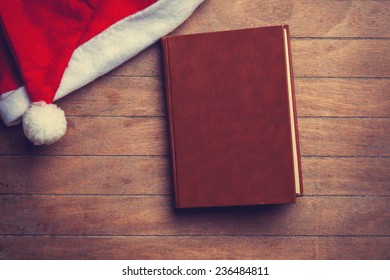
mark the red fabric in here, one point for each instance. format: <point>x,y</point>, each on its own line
<point>9,74</point>
<point>105,17</point>
<point>44,33</point>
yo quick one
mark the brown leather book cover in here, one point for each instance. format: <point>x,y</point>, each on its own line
<point>232,117</point>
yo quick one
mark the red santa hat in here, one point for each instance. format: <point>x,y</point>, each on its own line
<point>49,48</point>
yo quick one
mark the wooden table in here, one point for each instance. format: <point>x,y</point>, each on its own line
<point>104,191</point>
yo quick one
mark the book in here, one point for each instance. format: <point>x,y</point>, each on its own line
<point>233,128</point>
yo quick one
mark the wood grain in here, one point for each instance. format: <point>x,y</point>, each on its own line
<point>343,97</point>
<point>315,18</point>
<point>146,248</point>
<point>151,175</point>
<point>85,175</point>
<point>95,136</point>
<point>144,96</point>
<point>148,136</point>
<point>311,58</point>
<point>344,137</point>
<point>346,176</point>
<point>341,58</point>
<point>365,248</point>
<point>117,96</point>
<point>171,247</point>
<point>154,215</point>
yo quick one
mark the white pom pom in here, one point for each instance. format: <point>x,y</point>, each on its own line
<point>44,123</point>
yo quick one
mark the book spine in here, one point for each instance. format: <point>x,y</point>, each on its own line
<point>294,109</point>
<point>169,105</point>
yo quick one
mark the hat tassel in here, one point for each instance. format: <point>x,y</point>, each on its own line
<point>44,123</point>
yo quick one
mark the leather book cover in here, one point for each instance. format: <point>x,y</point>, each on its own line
<point>232,118</point>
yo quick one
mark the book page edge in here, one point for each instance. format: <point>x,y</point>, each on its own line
<point>292,117</point>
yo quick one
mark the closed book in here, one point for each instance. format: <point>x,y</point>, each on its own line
<point>232,117</point>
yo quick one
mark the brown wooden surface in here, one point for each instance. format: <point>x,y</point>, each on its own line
<point>104,191</point>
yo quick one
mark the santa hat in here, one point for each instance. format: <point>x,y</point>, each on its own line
<point>49,48</point>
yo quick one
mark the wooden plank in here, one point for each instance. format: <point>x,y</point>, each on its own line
<point>148,136</point>
<point>155,215</point>
<point>117,96</point>
<point>172,247</point>
<point>343,97</point>
<point>341,58</point>
<point>367,248</point>
<point>144,96</point>
<point>346,176</point>
<point>95,136</point>
<point>311,58</point>
<point>147,63</point>
<point>315,18</point>
<point>344,137</point>
<point>151,175</point>
<point>156,248</point>
<point>85,175</point>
